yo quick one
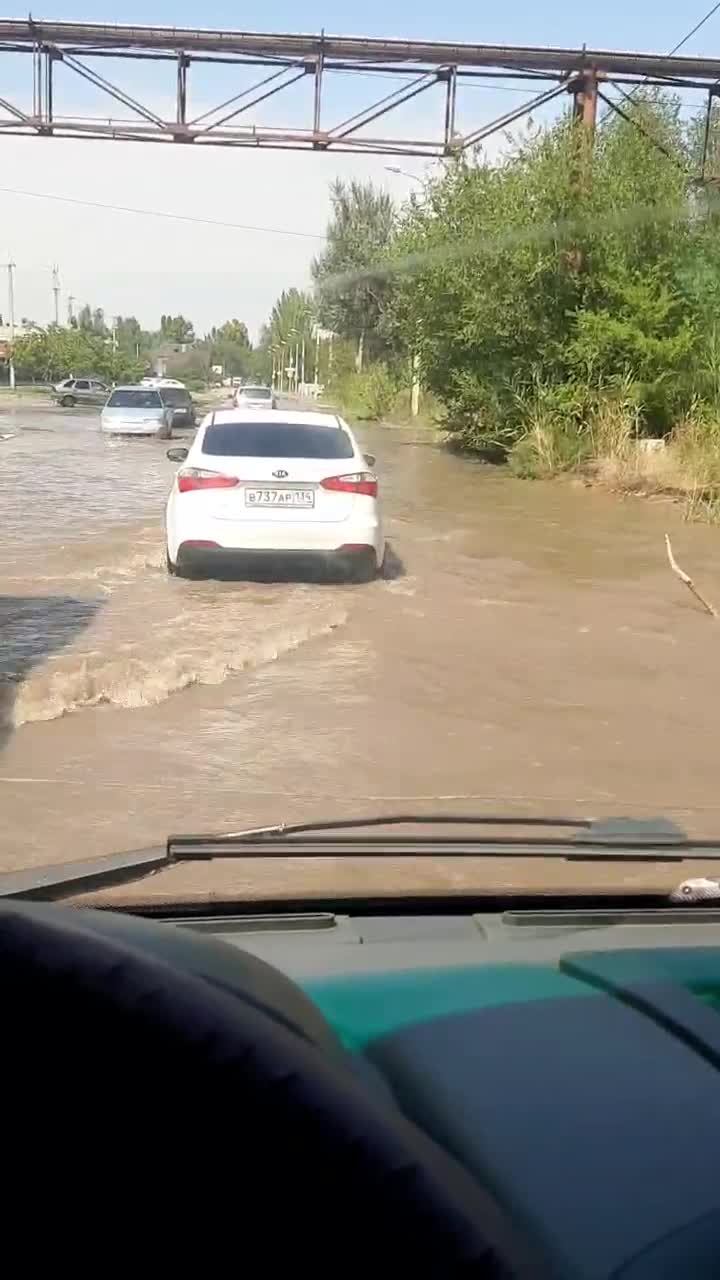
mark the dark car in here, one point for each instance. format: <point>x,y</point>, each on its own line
<point>180,401</point>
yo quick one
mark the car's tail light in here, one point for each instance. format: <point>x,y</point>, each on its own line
<point>195,478</point>
<point>358,482</point>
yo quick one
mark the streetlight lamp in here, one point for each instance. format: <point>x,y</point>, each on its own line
<point>391,168</point>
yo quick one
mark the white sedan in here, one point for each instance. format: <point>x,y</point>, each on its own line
<point>282,485</point>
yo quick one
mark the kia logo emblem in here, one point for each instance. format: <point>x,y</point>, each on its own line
<point>280,475</point>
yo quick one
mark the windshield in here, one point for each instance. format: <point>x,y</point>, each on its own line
<point>131,398</point>
<point>271,440</point>
<point>175,396</point>
<point>254,393</point>
<point>494,587</point>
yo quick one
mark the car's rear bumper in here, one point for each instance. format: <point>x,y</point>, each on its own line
<point>341,563</point>
<point>280,537</point>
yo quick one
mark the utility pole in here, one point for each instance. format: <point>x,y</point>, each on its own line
<point>56,292</point>
<point>11,306</point>
<point>585,94</point>
<point>584,89</point>
<point>415,386</point>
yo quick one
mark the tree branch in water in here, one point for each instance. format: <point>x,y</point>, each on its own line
<point>687,580</point>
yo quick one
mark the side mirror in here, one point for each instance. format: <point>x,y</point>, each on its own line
<point>177,455</point>
<point>370,459</point>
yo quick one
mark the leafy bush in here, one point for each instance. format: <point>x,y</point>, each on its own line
<point>531,296</point>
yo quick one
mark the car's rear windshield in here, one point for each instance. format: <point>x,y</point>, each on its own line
<point>276,440</point>
<point>142,398</point>
<point>175,395</point>
<point>255,393</point>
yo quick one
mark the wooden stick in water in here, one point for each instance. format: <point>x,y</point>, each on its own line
<point>684,577</point>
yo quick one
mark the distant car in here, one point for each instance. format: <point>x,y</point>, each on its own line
<point>252,397</point>
<point>74,391</point>
<point>155,380</point>
<point>178,399</point>
<point>137,411</point>
<point>288,486</point>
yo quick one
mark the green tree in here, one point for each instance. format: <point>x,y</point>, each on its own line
<point>232,331</point>
<point>92,320</point>
<point>176,329</point>
<point>131,337</point>
<point>54,353</point>
<point>554,269</point>
<point>351,288</point>
<point>229,346</point>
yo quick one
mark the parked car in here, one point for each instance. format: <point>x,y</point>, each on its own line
<point>178,398</point>
<point>137,411</point>
<point>253,397</point>
<point>72,391</point>
<point>285,486</point>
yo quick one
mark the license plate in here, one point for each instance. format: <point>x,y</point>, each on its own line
<point>279,498</point>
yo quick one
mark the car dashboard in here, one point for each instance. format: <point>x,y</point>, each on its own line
<point>568,1059</point>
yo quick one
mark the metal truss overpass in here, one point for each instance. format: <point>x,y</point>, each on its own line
<point>277,61</point>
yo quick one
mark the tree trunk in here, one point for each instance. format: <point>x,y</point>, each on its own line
<point>360,349</point>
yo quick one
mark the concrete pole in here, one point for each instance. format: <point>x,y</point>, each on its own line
<point>11,305</point>
<point>415,386</point>
<point>56,292</point>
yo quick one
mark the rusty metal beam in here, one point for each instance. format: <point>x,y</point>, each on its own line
<point>109,36</point>
<point>112,90</point>
<point>502,122</point>
<point>253,101</point>
<point>383,106</point>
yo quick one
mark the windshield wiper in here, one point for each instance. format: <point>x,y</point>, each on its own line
<point>606,840</point>
<point>592,839</point>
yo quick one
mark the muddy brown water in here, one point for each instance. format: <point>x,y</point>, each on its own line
<point>529,651</point>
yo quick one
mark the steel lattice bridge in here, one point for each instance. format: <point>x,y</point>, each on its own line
<point>274,62</point>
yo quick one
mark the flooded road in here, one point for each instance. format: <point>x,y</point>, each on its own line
<point>529,651</point>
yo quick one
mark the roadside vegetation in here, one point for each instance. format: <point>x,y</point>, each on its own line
<point>562,307</point>
<point>120,350</point>
<point>557,310</point>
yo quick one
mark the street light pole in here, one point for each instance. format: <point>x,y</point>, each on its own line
<point>11,307</point>
<point>56,293</point>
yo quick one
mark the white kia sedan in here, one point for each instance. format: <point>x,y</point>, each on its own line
<point>282,486</point>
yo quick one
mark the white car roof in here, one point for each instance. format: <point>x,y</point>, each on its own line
<point>293,417</point>
<point>129,386</point>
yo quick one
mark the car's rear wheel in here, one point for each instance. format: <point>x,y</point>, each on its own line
<point>171,568</point>
<point>67,402</point>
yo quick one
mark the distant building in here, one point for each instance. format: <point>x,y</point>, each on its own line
<point>162,358</point>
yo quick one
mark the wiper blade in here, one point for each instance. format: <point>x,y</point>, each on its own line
<point>378,820</point>
<point>632,839</point>
<point>606,840</point>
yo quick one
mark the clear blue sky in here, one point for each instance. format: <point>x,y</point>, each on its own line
<point>641,24</point>
<point>130,264</point>
<point>620,24</point>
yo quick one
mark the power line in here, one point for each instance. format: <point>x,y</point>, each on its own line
<point>678,46</point>
<point>697,27</point>
<point>158,213</point>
